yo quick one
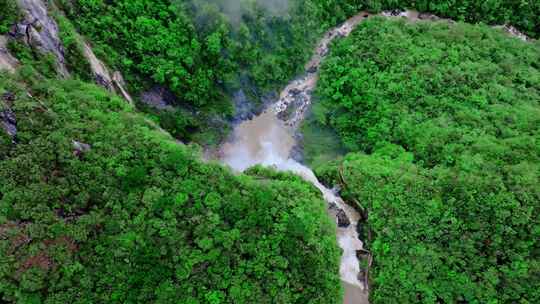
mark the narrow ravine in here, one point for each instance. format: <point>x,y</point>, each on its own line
<point>268,140</point>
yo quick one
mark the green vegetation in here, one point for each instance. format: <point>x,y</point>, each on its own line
<point>136,218</point>
<point>45,64</point>
<point>441,122</point>
<point>8,15</point>
<point>523,14</point>
<point>76,62</point>
<point>320,144</point>
<point>444,123</point>
<point>201,50</point>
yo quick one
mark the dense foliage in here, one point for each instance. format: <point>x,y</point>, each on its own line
<point>98,207</point>
<point>204,50</point>
<point>446,85</point>
<point>8,15</point>
<point>73,45</point>
<point>449,119</point>
<point>196,47</point>
<point>523,14</point>
<point>446,235</point>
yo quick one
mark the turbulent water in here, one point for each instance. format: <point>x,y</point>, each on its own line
<point>268,140</point>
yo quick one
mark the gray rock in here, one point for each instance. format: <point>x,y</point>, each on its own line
<point>80,148</point>
<point>512,31</point>
<point>39,31</point>
<point>312,69</point>
<point>362,254</point>
<point>114,82</point>
<point>425,16</point>
<point>159,98</point>
<point>120,85</point>
<point>7,62</point>
<point>297,153</point>
<point>343,220</point>
<point>295,92</point>
<point>103,81</point>
<point>102,75</point>
<point>243,107</point>
<point>8,120</point>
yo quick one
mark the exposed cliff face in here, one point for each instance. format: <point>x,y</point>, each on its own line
<point>39,31</point>
<point>113,82</point>
<point>101,73</point>
<point>7,62</point>
<point>159,98</point>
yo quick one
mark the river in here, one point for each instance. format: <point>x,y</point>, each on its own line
<point>268,140</point>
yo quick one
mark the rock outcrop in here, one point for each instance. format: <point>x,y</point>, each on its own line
<point>80,148</point>
<point>512,31</point>
<point>120,85</point>
<point>39,31</point>
<point>113,82</point>
<point>7,62</point>
<point>8,121</point>
<point>159,98</point>
<point>343,220</point>
<point>101,73</point>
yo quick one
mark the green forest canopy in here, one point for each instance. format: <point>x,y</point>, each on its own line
<point>523,14</point>
<point>443,125</point>
<point>135,217</point>
<point>202,53</point>
<point>442,122</point>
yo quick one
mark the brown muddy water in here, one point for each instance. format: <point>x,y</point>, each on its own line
<point>268,140</point>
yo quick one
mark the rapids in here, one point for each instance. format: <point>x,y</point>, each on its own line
<point>268,140</point>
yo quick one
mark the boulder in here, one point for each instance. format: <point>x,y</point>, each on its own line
<point>79,148</point>
<point>342,219</point>
<point>313,69</point>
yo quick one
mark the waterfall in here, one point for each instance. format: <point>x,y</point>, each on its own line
<point>268,140</point>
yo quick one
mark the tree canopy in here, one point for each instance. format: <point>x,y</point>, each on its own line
<point>97,206</point>
<point>442,122</point>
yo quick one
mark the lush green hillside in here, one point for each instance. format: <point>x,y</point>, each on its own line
<point>523,14</point>
<point>204,50</point>
<point>444,121</point>
<point>441,122</point>
<point>8,15</point>
<point>96,206</point>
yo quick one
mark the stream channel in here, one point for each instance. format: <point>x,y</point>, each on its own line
<point>268,140</point>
